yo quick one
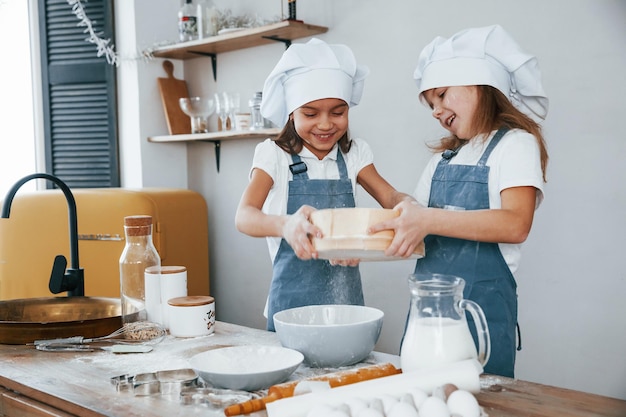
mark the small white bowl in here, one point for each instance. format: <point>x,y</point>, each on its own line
<point>247,367</point>
<point>330,335</point>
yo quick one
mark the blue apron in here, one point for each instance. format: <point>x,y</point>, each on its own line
<point>488,279</point>
<point>297,283</point>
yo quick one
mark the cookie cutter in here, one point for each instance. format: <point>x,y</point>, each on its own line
<point>170,382</point>
<point>146,384</point>
<point>173,381</point>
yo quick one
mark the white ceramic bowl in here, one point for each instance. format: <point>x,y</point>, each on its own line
<point>330,335</point>
<point>247,367</point>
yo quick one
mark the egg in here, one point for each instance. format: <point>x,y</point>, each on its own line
<point>418,396</point>
<point>402,409</point>
<point>355,405</point>
<point>377,404</point>
<point>464,404</point>
<point>444,391</point>
<point>388,402</point>
<point>439,393</point>
<point>434,407</point>
<point>338,413</point>
<point>408,399</point>
<point>369,412</point>
<point>449,389</point>
<point>320,410</point>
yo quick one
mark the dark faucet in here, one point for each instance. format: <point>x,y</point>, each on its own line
<point>71,280</point>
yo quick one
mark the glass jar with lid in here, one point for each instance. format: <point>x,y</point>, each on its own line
<point>139,253</point>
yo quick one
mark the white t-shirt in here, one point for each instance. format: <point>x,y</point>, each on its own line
<point>514,162</point>
<point>275,162</point>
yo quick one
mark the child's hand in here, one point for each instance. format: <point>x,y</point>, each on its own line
<point>408,231</point>
<point>298,230</point>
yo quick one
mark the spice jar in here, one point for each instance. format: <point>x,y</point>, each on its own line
<point>139,253</point>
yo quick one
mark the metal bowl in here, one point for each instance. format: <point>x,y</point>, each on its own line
<point>25,320</point>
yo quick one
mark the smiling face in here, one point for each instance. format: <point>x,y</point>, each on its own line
<point>455,108</point>
<point>321,123</point>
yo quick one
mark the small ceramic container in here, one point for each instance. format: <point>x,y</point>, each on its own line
<point>173,285</point>
<point>191,316</point>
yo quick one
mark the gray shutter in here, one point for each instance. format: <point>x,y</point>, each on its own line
<point>79,95</point>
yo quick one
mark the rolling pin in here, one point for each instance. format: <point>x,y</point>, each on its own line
<point>336,379</point>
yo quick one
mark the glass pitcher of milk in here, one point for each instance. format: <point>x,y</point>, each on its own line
<point>437,331</point>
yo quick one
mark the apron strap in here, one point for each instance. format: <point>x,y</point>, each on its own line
<point>496,139</point>
<point>448,154</point>
<point>341,165</point>
<point>298,168</point>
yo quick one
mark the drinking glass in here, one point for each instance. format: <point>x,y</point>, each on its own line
<point>198,109</point>
<point>223,108</point>
<point>235,103</point>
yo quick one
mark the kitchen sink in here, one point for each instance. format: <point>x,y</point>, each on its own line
<point>23,321</point>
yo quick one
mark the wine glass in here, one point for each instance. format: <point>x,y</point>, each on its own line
<point>198,109</point>
<point>222,108</point>
<point>235,103</point>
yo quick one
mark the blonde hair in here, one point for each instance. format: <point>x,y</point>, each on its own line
<point>496,111</point>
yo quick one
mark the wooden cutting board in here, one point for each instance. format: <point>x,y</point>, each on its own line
<point>172,89</point>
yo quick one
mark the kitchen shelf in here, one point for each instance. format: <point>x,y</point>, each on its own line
<point>284,31</point>
<point>216,138</point>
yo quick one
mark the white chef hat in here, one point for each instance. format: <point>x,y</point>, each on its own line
<point>484,56</point>
<point>308,72</point>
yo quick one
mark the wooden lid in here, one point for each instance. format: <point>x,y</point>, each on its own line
<point>140,220</point>
<point>138,225</point>
<point>166,269</point>
<point>191,301</point>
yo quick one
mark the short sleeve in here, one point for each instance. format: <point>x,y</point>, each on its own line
<point>266,158</point>
<point>422,191</point>
<point>516,162</point>
<point>360,155</point>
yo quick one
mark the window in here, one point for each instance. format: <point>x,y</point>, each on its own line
<point>17,140</point>
<point>79,96</point>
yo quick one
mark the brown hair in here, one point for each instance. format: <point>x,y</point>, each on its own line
<point>496,112</point>
<point>289,141</point>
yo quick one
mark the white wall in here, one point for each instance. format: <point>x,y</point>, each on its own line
<point>571,281</point>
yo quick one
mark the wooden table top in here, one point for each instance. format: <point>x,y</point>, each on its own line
<point>79,383</point>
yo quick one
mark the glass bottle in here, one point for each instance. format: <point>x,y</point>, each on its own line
<point>292,9</point>
<point>256,120</point>
<point>206,19</point>
<point>187,22</point>
<point>138,254</point>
